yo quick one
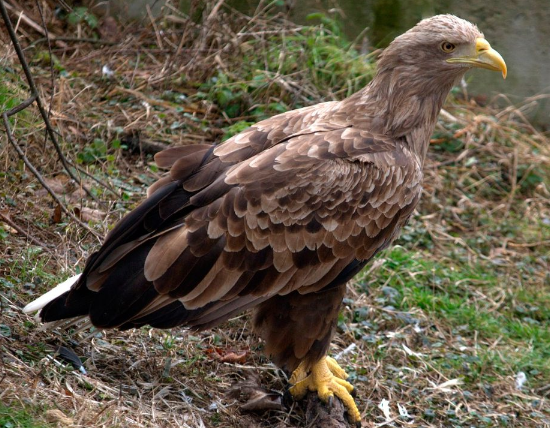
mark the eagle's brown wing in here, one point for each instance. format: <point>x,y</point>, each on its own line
<point>260,216</point>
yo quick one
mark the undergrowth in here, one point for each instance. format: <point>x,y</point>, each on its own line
<point>21,418</point>
<point>445,324</point>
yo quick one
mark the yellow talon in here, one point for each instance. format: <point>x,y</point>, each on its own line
<point>328,379</point>
<point>335,368</point>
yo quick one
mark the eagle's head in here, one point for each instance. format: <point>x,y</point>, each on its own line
<point>441,49</point>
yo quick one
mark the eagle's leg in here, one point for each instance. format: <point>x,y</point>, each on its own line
<point>328,379</point>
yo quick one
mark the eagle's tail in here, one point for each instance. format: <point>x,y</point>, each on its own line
<point>54,293</point>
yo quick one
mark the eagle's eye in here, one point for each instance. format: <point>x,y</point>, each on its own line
<point>447,47</point>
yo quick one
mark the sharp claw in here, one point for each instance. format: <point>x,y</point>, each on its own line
<point>358,424</point>
<point>353,393</point>
<point>330,401</point>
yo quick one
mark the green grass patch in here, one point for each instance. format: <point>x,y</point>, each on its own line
<point>25,417</point>
<point>12,92</point>
<point>272,72</point>
<point>462,297</point>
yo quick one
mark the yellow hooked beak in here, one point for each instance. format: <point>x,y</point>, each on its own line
<point>485,57</point>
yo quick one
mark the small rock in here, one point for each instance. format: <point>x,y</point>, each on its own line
<point>391,294</point>
<point>407,318</point>
<point>29,286</point>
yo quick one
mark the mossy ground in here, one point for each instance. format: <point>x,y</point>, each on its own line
<point>441,325</point>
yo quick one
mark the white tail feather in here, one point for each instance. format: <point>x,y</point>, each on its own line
<point>46,298</point>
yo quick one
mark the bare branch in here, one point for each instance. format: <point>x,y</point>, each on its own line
<point>76,40</point>
<point>48,40</point>
<point>22,231</point>
<point>40,179</point>
<point>34,93</point>
<point>21,106</point>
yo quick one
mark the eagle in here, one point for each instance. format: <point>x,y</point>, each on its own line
<point>282,215</point>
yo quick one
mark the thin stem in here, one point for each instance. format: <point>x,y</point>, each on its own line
<point>34,93</point>
<point>38,176</point>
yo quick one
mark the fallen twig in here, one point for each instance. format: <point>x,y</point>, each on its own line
<point>22,231</point>
<point>75,40</point>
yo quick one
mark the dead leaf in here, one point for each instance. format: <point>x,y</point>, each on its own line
<point>7,228</point>
<point>234,357</point>
<point>77,196</point>
<point>228,355</point>
<point>56,216</point>
<point>57,184</point>
<point>89,214</point>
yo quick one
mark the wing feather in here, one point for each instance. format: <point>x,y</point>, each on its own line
<point>285,206</point>
<point>165,252</point>
<point>168,157</point>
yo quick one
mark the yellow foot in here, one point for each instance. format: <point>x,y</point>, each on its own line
<point>328,379</point>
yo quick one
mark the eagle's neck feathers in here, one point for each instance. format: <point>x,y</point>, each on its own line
<point>402,103</point>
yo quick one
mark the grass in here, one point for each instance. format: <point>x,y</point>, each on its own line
<point>442,324</point>
<point>271,70</point>
<point>461,299</point>
<point>23,418</point>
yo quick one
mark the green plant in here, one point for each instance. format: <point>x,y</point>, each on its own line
<point>266,83</point>
<point>13,417</point>
<point>82,15</point>
<point>98,150</point>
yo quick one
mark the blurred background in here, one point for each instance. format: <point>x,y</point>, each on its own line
<point>519,30</point>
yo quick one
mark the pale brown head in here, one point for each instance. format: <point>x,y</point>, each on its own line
<point>418,69</point>
<point>440,49</point>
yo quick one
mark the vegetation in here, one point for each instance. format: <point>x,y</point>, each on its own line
<point>451,326</point>
<point>20,418</point>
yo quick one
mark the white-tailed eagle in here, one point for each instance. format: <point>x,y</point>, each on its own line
<point>281,216</point>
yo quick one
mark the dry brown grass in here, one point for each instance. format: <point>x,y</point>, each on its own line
<point>485,212</point>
